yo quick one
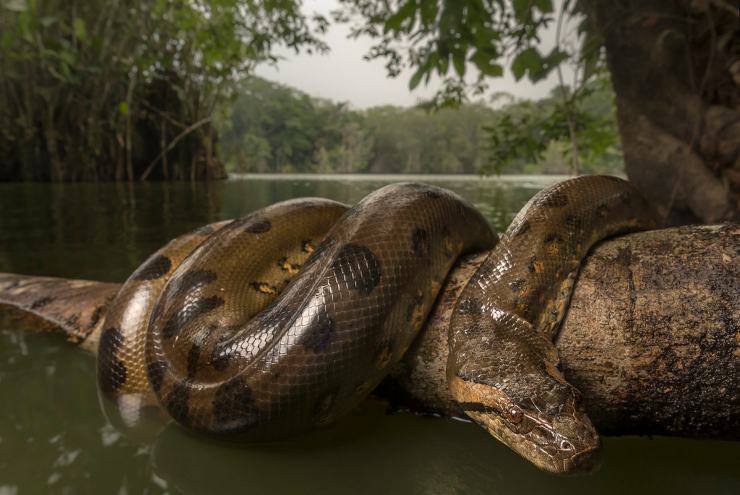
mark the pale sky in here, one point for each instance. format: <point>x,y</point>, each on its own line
<point>342,74</point>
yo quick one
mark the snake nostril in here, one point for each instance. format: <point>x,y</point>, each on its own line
<point>515,415</point>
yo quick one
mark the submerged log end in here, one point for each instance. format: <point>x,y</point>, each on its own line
<point>76,308</point>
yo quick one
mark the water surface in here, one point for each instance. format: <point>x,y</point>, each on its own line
<point>53,437</point>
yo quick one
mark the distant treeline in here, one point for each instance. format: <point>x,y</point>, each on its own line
<point>275,128</point>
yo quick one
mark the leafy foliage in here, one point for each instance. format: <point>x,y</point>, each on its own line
<point>99,90</point>
<point>108,89</point>
<point>529,132</point>
<point>446,37</point>
<point>273,128</point>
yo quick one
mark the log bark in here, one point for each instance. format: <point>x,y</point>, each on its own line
<point>651,338</point>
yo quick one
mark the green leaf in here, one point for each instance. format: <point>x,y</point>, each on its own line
<point>394,22</point>
<point>547,64</point>
<point>123,108</point>
<point>416,78</point>
<point>545,6</point>
<point>458,60</point>
<point>24,25</point>
<point>528,60</point>
<point>65,71</point>
<point>493,70</point>
<point>521,7</point>
<point>428,12</point>
<point>443,65</point>
<point>485,64</point>
<point>80,31</point>
<point>67,56</point>
<point>7,39</point>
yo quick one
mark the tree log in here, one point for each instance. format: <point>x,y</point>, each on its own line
<point>651,338</point>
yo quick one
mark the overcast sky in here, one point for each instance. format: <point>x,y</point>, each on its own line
<point>342,74</point>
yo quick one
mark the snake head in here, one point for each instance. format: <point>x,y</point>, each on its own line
<point>563,443</point>
<point>504,375</point>
<point>552,431</point>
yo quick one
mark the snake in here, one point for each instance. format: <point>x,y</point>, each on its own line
<point>284,320</point>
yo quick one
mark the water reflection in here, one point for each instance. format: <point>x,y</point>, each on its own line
<point>103,231</point>
<point>53,436</point>
<point>374,453</point>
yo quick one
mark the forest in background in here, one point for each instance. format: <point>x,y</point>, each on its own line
<point>115,90</point>
<point>278,129</point>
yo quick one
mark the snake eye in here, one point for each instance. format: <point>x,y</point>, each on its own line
<point>514,414</point>
<point>566,445</point>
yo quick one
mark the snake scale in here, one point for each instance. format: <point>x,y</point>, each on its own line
<point>284,320</point>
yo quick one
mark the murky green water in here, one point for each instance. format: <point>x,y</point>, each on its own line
<point>53,438</point>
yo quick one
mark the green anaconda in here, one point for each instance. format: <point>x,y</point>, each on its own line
<point>284,320</point>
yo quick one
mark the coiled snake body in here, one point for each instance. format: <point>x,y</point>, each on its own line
<point>281,321</point>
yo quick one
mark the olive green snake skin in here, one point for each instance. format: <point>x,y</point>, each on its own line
<point>284,320</point>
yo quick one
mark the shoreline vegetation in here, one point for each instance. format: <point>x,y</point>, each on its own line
<point>272,128</point>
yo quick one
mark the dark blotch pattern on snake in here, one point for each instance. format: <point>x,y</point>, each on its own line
<point>285,319</point>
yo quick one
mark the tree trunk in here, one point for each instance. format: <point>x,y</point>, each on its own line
<point>675,67</point>
<point>651,339</point>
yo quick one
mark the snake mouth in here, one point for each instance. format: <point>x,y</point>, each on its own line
<point>586,461</point>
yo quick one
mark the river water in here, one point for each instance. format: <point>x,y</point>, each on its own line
<point>53,437</point>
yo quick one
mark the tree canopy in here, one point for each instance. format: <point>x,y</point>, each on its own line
<point>674,64</point>
<point>110,90</point>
